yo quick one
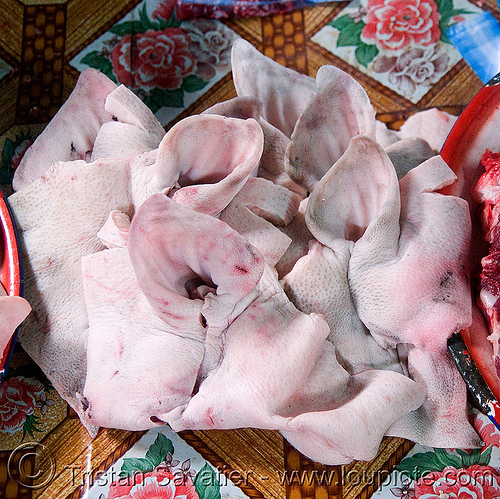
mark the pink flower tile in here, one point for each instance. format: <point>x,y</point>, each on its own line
<point>168,63</point>
<point>429,473</point>
<point>30,408</point>
<point>160,465</point>
<point>399,43</point>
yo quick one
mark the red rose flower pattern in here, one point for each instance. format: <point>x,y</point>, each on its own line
<point>487,430</point>
<point>395,24</point>
<point>156,59</point>
<point>164,9</point>
<point>18,399</point>
<point>158,484</point>
<point>475,482</point>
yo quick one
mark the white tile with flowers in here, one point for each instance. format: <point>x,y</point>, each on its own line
<point>400,43</point>
<point>166,62</point>
<point>160,466</point>
<point>427,473</point>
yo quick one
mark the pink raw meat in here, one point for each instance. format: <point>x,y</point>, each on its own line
<point>135,361</point>
<point>255,209</point>
<point>72,132</point>
<point>354,429</point>
<point>338,111</point>
<point>432,125</point>
<point>300,235</point>
<point>487,194</point>
<point>283,92</point>
<point>427,245</point>
<point>238,107</point>
<point>269,351</point>
<point>359,187</point>
<point>318,283</point>
<point>193,268</point>
<point>78,198</point>
<point>442,420</point>
<point>13,311</point>
<point>209,171</point>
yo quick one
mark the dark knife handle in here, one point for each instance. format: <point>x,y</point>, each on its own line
<point>473,379</point>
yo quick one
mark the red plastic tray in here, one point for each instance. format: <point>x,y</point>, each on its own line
<point>10,268</point>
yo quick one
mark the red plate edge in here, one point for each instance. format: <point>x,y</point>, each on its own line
<point>473,118</point>
<point>10,268</point>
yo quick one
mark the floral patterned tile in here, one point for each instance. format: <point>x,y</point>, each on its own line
<point>13,145</point>
<point>29,405</point>
<point>428,473</point>
<point>168,63</point>
<point>162,466</point>
<point>400,43</point>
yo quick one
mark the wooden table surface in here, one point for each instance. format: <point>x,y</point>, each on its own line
<point>40,41</point>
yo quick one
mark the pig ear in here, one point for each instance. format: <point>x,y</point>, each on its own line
<point>354,429</point>
<point>239,107</point>
<point>430,176</point>
<point>339,111</point>
<point>408,153</point>
<point>272,163</point>
<point>442,420</point>
<point>126,107</point>
<point>120,140</point>
<point>360,191</point>
<point>114,232</point>
<point>431,125</point>
<point>133,131</point>
<point>283,92</point>
<point>255,209</point>
<point>72,131</point>
<point>213,157</point>
<point>175,250</point>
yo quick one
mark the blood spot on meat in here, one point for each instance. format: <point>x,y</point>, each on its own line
<point>210,416</point>
<point>174,316</point>
<point>241,270</point>
<point>119,351</point>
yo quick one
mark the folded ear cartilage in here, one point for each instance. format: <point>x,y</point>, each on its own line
<point>478,41</point>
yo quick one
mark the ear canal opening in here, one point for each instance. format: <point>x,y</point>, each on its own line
<point>197,288</point>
